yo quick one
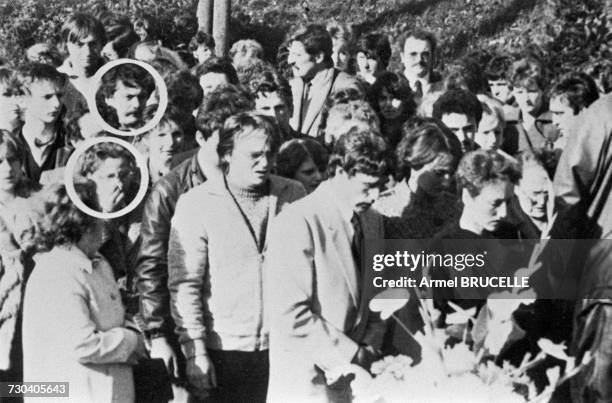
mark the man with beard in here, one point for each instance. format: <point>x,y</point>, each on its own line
<point>41,136</point>
<point>83,37</point>
<point>123,94</point>
<point>310,57</point>
<point>418,57</point>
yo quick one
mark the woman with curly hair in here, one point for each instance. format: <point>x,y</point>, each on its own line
<point>74,321</point>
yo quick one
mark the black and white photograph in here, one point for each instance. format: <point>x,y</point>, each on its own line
<point>359,201</point>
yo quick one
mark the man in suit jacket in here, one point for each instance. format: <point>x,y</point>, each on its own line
<point>317,294</point>
<point>418,57</point>
<point>315,79</point>
<point>215,260</point>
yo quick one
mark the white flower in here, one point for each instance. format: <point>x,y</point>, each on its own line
<point>389,301</point>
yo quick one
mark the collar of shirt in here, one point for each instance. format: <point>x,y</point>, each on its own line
<point>423,80</point>
<point>40,149</point>
<point>75,257</point>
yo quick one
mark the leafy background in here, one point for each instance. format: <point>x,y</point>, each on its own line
<point>572,34</point>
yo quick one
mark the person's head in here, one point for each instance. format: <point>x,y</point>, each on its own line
<point>343,116</point>
<point>310,51</point>
<point>216,72</point>
<point>62,223</point>
<point>304,160</point>
<point>83,36</point>
<point>425,158</point>
<point>43,86</point>
<point>466,74</point>
<point>358,166</point>
<point>145,26</point>
<point>215,109</point>
<point>202,46</point>
<point>373,54</point>
<point>10,165</point>
<point>122,95</point>
<point>248,143</point>
<point>391,97</point>
<point>184,90</point>
<point>81,125</point>
<point>120,37</point>
<point>528,82</point>
<point>11,89</point>
<point>418,53</point>
<point>490,133</point>
<point>569,96</point>
<point>272,97</point>
<point>341,36</point>
<point>461,112</point>
<point>44,53</point>
<point>487,186</point>
<point>113,170</point>
<point>244,51</point>
<point>534,188</point>
<point>496,71</point>
<point>167,138</point>
<point>146,51</point>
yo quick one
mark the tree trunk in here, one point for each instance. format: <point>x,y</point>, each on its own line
<point>205,15</point>
<point>221,17</point>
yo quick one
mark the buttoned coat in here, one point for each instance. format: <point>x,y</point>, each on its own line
<point>317,306</point>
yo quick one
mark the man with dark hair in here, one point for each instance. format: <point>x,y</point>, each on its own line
<point>570,95</point>
<point>318,292</point>
<point>373,55</point>
<point>418,57</point>
<point>215,261</point>
<point>215,72</point>
<point>151,270</point>
<point>122,96</point>
<point>310,57</point>
<point>496,71</point>
<point>273,98</point>
<point>83,37</point>
<point>42,136</point>
<point>202,46</point>
<point>535,130</point>
<point>461,112</point>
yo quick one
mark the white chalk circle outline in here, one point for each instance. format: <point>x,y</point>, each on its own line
<point>141,163</point>
<point>159,83</point>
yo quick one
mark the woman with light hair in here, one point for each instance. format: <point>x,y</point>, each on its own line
<point>245,51</point>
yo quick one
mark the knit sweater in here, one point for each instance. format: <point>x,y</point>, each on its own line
<point>254,204</point>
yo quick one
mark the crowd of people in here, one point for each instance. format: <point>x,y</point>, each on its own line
<point>241,265</point>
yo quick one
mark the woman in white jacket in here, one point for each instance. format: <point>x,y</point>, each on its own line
<point>74,327</point>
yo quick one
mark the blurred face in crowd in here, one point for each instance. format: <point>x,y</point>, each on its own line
<point>272,104</point>
<point>85,53</point>
<point>359,190</point>
<point>339,52</point>
<point>109,52</point>
<point>464,128</point>
<point>9,105</point>
<point>562,114</point>
<point>528,99</point>
<point>417,57</point>
<point>147,51</point>
<point>211,81</point>
<point>490,206</point>
<point>500,90</point>
<point>203,53</point>
<point>165,141</point>
<point>111,179</point>
<point>303,64</point>
<point>533,192</point>
<point>309,175</point>
<point>43,102</point>
<point>490,133</point>
<point>368,67</point>
<point>10,168</point>
<point>250,162</point>
<point>435,176</point>
<point>390,106</point>
<point>128,102</point>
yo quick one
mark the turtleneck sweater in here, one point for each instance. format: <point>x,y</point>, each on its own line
<point>254,204</point>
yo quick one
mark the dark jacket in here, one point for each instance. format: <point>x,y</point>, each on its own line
<point>57,157</point>
<point>151,272</point>
<point>541,136</point>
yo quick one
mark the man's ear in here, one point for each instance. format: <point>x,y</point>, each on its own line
<point>319,57</point>
<point>339,171</point>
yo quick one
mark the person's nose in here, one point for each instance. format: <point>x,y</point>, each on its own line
<point>502,210</point>
<point>373,194</point>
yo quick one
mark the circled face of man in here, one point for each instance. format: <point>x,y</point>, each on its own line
<point>43,101</point>
<point>111,179</point>
<point>303,64</point>
<point>128,102</point>
<point>463,126</point>
<point>562,114</point>
<point>417,57</point>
